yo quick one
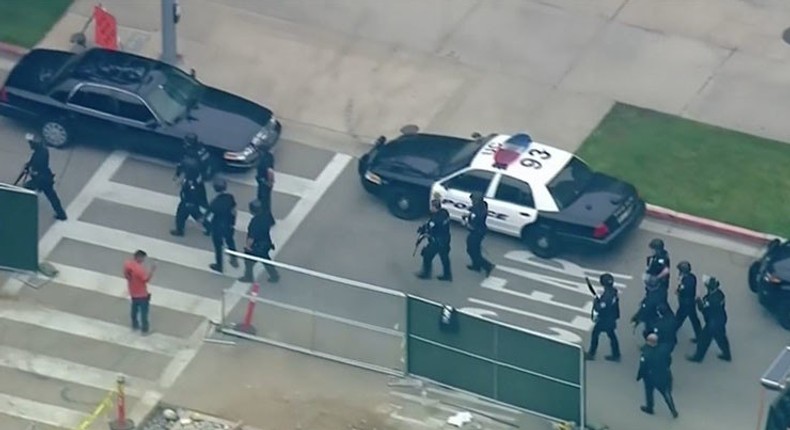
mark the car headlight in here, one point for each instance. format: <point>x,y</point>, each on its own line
<point>272,122</point>
<point>243,155</point>
<point>372,177</point>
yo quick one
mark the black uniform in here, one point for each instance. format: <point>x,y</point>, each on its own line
<point>687,308</point>
<point>222,213</point>
<point>476,222</point>
<point>265,178</point>
<point>193,202</point>
<point>665,326</point>
<point>437,230</point>
<point>259,244</point>
<point>655,374</point>
<point>607,306</point>
<point>42,179</point>
<point>657,263</point>
<point>712,306</point>
<point>648,309</point>
<point>195,162</point>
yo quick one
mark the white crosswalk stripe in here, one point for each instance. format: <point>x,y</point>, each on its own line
<point>109,282</point>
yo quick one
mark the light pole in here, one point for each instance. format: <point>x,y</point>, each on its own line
<point>170,15</point>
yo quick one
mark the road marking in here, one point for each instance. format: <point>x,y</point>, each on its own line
<point>479,312</point>
<point>702,238</point>
<point>565,267</point>
<point>541,297</point>
<point>43,413</point>
<point>565,284</point>
<point>115,286</point>
<point>286,228</point>
<point>493,282</point>
<point>165,204</point>
<point>579,323</point>
<point>91,328</point>
<point>69,371</point>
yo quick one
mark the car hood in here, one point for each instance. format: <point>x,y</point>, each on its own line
<point>226,121</point>
<point>603,197</point>
<point>420,157</point>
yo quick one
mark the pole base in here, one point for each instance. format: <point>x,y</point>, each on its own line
<point>121,425</point>
<point>245,328</point>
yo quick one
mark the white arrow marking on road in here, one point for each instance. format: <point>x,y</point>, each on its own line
<point>540,297</point>
<point>566,267</point>
<point>493,282</point>
<point>564,335</point>
<point>565,284</point>
<point>478,312</point>
<point>579,323</point>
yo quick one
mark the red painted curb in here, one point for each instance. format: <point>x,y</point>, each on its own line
<point>717,227</point>
<point>17,51</point>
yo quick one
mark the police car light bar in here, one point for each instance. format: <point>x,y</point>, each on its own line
<point>511,150</point>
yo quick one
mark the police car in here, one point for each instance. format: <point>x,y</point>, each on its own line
<point>547,197</point>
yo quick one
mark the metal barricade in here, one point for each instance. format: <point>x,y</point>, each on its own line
<point>323,315</point>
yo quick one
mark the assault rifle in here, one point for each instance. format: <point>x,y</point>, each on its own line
<point>594,294</point>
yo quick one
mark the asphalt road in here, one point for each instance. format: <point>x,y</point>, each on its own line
<point>350,234</point>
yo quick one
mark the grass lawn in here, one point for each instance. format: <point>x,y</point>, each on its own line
<point>26,22</point>
<point>695,168</point>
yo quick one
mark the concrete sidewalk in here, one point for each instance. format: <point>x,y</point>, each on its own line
<point>458,66</point>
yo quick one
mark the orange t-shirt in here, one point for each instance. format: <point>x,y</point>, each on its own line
<point>137,278</point>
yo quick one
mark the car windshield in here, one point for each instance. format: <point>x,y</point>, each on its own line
<point>462,158</point>
<point>570,183</point>
<point>172,94</point>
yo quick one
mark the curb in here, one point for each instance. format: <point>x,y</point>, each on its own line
<point>709,225</point>
<point>13,50</point>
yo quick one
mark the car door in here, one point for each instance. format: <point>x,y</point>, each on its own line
<point>93,111</point>
<point>140,130</point>
<point>457,189</point>
<point>514,202</point>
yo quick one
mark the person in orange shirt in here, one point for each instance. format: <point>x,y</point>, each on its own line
<point>137,277</point>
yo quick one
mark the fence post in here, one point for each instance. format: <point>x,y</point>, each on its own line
<point>121,422</point>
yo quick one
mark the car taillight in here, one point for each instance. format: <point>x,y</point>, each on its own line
<point>3,95</point>
<point>601,231</point>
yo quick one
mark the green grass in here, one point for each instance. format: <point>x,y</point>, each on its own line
<point>26,22</point>
<point>695,168</point>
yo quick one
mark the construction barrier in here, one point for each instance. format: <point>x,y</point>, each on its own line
<point>102,408</point>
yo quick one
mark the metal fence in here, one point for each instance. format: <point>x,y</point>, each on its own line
<point>324,315</point>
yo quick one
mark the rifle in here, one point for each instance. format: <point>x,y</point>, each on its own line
<point>420,238</point>
<point>22,175</point>
<point>594,294</point>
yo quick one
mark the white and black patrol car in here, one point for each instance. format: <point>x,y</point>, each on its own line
<point>545,196</point>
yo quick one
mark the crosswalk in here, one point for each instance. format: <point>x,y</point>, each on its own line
<point>63,345</point>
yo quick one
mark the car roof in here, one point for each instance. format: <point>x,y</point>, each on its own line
<point>485,159</point>
<point>115,68</point>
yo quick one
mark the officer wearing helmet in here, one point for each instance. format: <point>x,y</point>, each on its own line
<point>259,241</point>
<point>196,160</point>
<point>712,306</point>
<point>687,295</point>
<point>476,223</point>
<point>437,229</point>
<point>607,309</point>
<point>41,177</point>
<point>647,313</point>
<point>220,223</point>
<point>658,264</point>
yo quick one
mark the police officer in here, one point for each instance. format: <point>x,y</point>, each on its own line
<point>437,230</point>
<point>655,374</point>
<point>658,264</point>
<point>665,326</point>
<point>193,202</point>
<point>647,313</point>
<point>41,177</point>
<point>607,308</point>
<point>712,306</point>
<point>476,222</point>
<point>259,242</point>
<point>196,160</point>
<point>220,222</point>
<point>687,294</point>
<point>265,178</point>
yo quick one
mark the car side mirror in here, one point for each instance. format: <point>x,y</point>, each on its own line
<point>192,73</point>
<point>476,135</point>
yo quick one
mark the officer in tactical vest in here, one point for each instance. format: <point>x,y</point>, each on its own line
<point>687,296</point>
<point>658,264</point>
<point>655,374</point>
<point>476,223</point>
<point>192,204</point>
<point>259,242</point>
<point>607,310</point>
<point>437,230</point>
<point>220,221</point>
<point>712,306</point>
<point>41,177</point>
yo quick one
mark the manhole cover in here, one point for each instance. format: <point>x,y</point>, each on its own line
<point>786,36</point>
<point>409,129</point>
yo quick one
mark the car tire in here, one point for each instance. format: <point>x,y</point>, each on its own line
<point>56,133</point>
<point>783,315</point>
<point>753,272</point>
<point>404,203</point>
<point>542,241</point>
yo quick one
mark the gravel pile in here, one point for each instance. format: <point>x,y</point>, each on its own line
<point>183,419</point>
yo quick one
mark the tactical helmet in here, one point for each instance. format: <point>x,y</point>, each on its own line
<point>255,206</point>
<point>606,279</point>
<point>684,266</point>
<point>712,283</point>
<point>656,244</point>
<point>220,185</point>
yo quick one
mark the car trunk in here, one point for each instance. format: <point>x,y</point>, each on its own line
<point>36,70</point>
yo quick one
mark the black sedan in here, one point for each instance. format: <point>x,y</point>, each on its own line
<point>769,277</point>
<point>144,104</point>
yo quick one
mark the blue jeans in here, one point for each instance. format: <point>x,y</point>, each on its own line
<point>140,309</point>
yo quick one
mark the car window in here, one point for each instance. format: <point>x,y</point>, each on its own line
<point>514,191</point>
<point>471,181</point>
<point>95,98</point>
<point>570,182</point>
<point>172,93</point>
<point>131,107</point>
